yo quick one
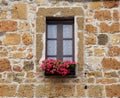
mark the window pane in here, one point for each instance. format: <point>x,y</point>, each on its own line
<point>52,58</point>
<point>67,31</point>
<point>67,47</point>
<point>68,58</point>
<point>52,31</point>
<point>51,47</point>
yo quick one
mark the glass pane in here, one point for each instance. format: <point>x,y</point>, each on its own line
<point>52,58</point>
<point>67,47</point>
<point>68,58</point>
<point>67,31</point>
<point>51,47</point>
<point>52,31</point>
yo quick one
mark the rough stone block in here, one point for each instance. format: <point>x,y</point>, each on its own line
<point>95,5</point>
<point>99,52</point>
<point>8,26</point>
<point>116,15</point>
<point>95,91</point>
<point>27,39</point>
<point>18,55</point>
<point>5,65</point>
<point>114,51</point>
<point>80,90</point>
<point>91,29</point>
<point>28,65</point>
<point>116,39</point>
<point>115,28</point>
<point>110,4</point>
<point>19,11</point>
<point>113,90</point>
<point>102,39</point>
<point>110,63</point>
<point>102,15</point>
<point>91,40</point>
<point>12,39</point>
<point>25,90</point>
<point>104,28</point>
<point>80,23</point>
<point>7,90</point>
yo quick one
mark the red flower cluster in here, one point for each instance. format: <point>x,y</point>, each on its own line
<point>57,66</point>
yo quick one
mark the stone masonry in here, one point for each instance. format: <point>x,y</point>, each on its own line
<point>97,48</point>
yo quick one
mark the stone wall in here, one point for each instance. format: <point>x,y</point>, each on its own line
<point>22,47</point>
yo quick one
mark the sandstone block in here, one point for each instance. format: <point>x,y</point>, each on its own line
<point>116,39</point>
<point>99,52</point>
<point>7,90</point>
<point>95,5</point>
<point>111,4</point>
<point>30,75</point>
<point>24,26</point>
<point>106,81</point>
<point>27,39</point>
<point>112,74</point>
<point>114,51</point>
<point>110,63</point>
<point>102,15</point>
<point>12,39</point>
<point>113,90</point>
<point>91,29</point>
<point>3,14</point>
<point>17,68</point>
<point>25,90</point>
<point>102,39</point>
<point>28,65</point>
<point>5,65</point>
<point>53,90</point>
<point>40,24</point>
<point>19,11</point>
<point>95,91</point>
<point>80,23</point>
<point>104,28</point>
<point>8,26</point>
<point>115,28</point>
<point>80,90</point>
<point>91,40</point>
<point>116,15</point>
<point>18,55</point>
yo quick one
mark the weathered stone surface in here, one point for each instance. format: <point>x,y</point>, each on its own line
<point>110,63</point>
<point>91,40</point>
<point>52,90</point>
<point>24,26</point>
<point>8,26</point>
<point>39,47</point>
<point>104,27</point>
<point>3,54</point>
<point>18,55</point>
<point>102,39</point>
<point>113,90</point>
<point>111,74</point>
<point>111,4</point>
<point>95,91</point>
<point>80,51</point>
<point>106,81</point>
<point>94,73</point>
<point>99,52</point>
<point>115,28</point>
<point>17,68</point>
<point>116,15</point>
<point>114,51</point>
<point>102,15</point>
<point>25,90</point>
<point>91,29</point>
<point>80,23</point>
<point>95,5</point>
<point>28,65</point>
<point>40,24</point>
<point>30,75</point>
<point>80,90</point>
<point>19,11</point>
<point>12,39</point>
<point>75,11</point>
<point>3,14</point>
<point>116,39</point>
<point>27,39</point>
<point>7,90</point>
<point>5,65</point>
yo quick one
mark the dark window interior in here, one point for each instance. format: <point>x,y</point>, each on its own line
<point>60,38</point>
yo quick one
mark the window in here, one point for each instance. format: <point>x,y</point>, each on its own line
<point>60,38</point>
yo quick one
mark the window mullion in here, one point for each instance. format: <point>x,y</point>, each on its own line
<point>60,41</point>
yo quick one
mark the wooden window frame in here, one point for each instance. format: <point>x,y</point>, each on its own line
<point>59,21</point>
